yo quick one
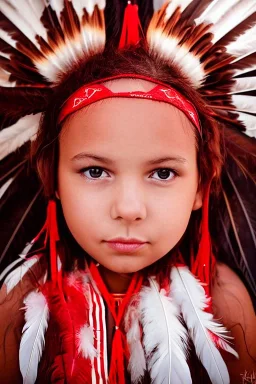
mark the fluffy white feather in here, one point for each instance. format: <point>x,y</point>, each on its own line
<point>244,103</point>
<point>16,135</point>
<point>32,340</point>
<point>17,274</point>
<point>165,338</point>
<point>137,362</point>
<point>244,84</point>
<point>189,295</point>
<point>85,340</point>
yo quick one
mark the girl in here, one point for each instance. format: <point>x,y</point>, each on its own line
<point>141,165</point>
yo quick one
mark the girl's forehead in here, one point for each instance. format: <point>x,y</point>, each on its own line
<point>128,126</point>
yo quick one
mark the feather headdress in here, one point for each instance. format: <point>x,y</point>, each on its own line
<point>211,42</point>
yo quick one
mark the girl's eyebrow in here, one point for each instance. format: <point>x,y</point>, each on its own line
<point>104,160</point>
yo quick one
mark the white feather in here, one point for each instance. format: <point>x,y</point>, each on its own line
<point>244,84</point>
<point>16,135</point>
<point>237,13</point>
<point>215,11</point>
<point>190,296</point>
<point>32,340</point>
<point>7,38</point>
<point>165,338</point>
<point>137,361</point>
<point>17,274</point>
<point>4,79</point>
<point>250,123</point>
<point>245,44</point>
<point>169,49</point>
<point>5,186</point>
<point>27,24</point>
<point>244,103</point>
<point>85,339</point>
<point>244,70</point>
<point>157,4</point>
<point>183,4</point>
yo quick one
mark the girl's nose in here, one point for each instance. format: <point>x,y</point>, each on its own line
<point>129,203</point>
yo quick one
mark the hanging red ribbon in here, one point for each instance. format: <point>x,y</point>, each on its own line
<point>204,261</point>
<point>116,373</point>
<point>52,232</point>
<point>131,26</point>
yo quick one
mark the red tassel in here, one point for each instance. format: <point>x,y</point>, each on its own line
<point>131,26</point>
<point>205,260</point>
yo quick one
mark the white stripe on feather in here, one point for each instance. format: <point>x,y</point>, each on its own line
<point>17,274</point>
<point>244,44</point>
<point>16,135</point>
<point>6,185</point>
<point>189,295</point>
<point>244,103</point>
<point>32,340</point>
<point>169,49</point>
<point>165,338</point>
<point>244,84</point>
<point>250,123</point>
<point>239,72</point>
<point>183,4</point>
<point>237,13</point>
<point>215,11</point>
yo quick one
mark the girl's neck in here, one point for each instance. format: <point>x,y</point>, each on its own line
<point>115,282</point>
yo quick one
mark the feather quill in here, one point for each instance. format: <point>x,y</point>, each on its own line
<point>165,338</point>
<point>32,340</point>
<point>189,295</point>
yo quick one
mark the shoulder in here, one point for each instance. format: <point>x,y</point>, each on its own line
<point>233,306</point>
<point>12,321</point>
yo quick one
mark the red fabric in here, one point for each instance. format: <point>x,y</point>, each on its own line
<point>204,261</point>
<point>93,92</point>
<point>119,347</point>
<point>131,26</point>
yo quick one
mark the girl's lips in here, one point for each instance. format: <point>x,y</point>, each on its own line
<point>125,247</point>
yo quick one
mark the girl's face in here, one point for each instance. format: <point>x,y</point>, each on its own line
<point>113,181</point>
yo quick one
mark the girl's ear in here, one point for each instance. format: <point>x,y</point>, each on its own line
<point>198,199</point>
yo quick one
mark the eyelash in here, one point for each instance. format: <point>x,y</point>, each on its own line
<point>82,171</point>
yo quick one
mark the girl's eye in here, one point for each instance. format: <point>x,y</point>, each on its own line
<point>94,173</point>
<point>165,174</point>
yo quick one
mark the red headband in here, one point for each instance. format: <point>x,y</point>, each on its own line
<point>90,93</point>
